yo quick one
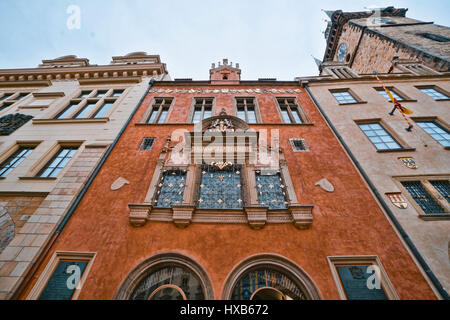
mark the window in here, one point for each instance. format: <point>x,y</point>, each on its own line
<point>290,110</point>
<point>103,110</point>
<point>361,278</point>
<point>9,98</point>
<point>422,197</point>
<point>438,132</point>
<point>160,110</point>
<point>171,189</point>
<point>57,163</point>
<point>355,280</point>
<point>221,188</point>
<point>271,191</point>
<point>147,144</point>
<point>117,93</point>
<point>85,111</point>
<point>72,106</point>
<point>246,109</point>
<point>203,109</point>
<point>266,284</point>
<point>443,187</point>
<point>434,37</point>
<point>63,277</point>
<point>14,160</point>
<point>380,138</point>
<point>341,52</point>
<point>434,93</point>
<point>169,283</point>
<point>298,145</point>
<point>344,97</point>
<point>386,96</point>
<point>93,104</point>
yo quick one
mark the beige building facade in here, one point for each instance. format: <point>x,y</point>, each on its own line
<point>56,123</point>
<point>409,169</point>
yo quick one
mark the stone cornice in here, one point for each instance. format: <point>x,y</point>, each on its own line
<point>37,75</point>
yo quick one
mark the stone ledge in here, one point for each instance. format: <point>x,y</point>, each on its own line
<point>256,217</point>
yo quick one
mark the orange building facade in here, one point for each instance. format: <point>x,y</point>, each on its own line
<point>160,223</point>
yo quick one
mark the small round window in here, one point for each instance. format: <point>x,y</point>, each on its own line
<point>169,283</point>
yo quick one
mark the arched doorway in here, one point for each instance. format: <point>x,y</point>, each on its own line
<point>169,276</point>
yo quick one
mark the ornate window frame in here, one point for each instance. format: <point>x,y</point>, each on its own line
<point>159,260</point>
<point>51,267</point>
<point>386,284</point>
<point>275,262</point>
<point>253,214</point>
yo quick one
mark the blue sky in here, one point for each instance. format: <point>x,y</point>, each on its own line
<point>268,38</point>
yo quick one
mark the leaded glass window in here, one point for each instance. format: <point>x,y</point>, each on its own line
<point>263,278</point>
<point>443,187</point>
<point>171,189</point>
<point>14,160</point>
<point>202,109</point>
<point>380,138</point>
<point>221,188</point>
<point>160,110</point>
<point>271,191</point>
<point>422,197</point>
<point>439,133</point>
<point>355,281</point>
<point>169,283</point>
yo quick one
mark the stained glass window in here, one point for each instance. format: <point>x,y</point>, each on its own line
<point>171,189</point>
<point>221,188</point>
<point>250,282</point>
<point>271,191</point>
<point>422,197</point>
<point>169,283</point>
<point>357,285</point>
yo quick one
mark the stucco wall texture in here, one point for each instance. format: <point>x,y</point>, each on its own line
<point>346,222</point>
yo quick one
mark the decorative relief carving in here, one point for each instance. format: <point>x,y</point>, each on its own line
<point>12,122</point>
<point>408,162</point>
<point>227,91</point>
<point>302,216</point>
<point>119,183</point>
<point>325,185</point>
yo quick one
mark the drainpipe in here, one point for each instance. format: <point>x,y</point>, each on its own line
<point>398,226</point>
<point>83,191</point>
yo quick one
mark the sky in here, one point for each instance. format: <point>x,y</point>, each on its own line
<point>269,39</point>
